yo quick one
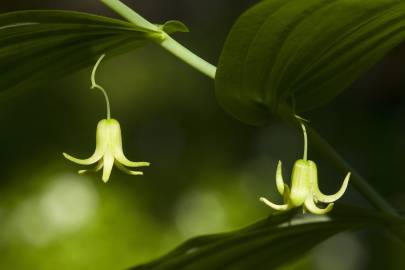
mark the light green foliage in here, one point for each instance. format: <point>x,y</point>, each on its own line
<point>306,50</point>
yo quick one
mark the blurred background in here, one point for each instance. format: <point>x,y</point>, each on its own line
<point>208,169</point>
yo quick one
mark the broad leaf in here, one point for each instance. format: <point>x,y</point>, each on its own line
<point>38,46</point>
<point>303,50</point>
<point>268,243</point>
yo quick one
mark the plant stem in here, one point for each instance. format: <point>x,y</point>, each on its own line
<point>358,181</point>
<point>189,57</point>
<point>304,131</point>
<point>129,14</point>
<point>203,66</point>
<point>94,85</point>
<point>168,43</point>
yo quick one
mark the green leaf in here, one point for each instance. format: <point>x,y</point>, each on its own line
<point>307,50</point>
<point>38,46</point>
<point>173,26</point>
<point>266,244</point>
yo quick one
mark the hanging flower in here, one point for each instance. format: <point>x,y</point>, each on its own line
<point>304,189</point>
<point>108,151</point>
<point>108,143</point>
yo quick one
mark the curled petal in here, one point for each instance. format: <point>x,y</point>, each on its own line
<point>108,164</point>
<point>277,207</point>
<point>312,208</point>
<point>95,169</point>
<point>279,179</point>
<point>331,198</point>
<point>125,170</point>
<point>88,161</point>
<point>120,157</point>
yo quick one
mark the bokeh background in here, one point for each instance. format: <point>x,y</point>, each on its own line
<point>208,169</point>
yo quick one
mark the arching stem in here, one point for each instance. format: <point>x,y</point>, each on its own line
<point>94,85</point>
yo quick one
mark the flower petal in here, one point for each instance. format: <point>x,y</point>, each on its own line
<point>108,161</point>
<point>95,169</point>
<point>279,179</point>
<point>331,198</point>
<point>125,170</point>
<point>277,207</point>
<point>88,161</point>
<point>312,208</point>
<point>119,156</point>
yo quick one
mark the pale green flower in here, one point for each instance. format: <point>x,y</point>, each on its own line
<point>304,187</point>
<point>108,151</point>
<point>108,142</point>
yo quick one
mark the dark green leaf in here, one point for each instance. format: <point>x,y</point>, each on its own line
<point>307,50</point>
<point>37,46</point>
<point>266,244</point>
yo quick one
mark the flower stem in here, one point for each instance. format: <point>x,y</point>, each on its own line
<point>94,85</point>
<point>203,66</point>
<point>168,43</point>
<point>304,131</point>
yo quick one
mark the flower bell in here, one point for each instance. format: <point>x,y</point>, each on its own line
<point>304,187</point>
<point>108,144</point>
<point>108,151</point>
